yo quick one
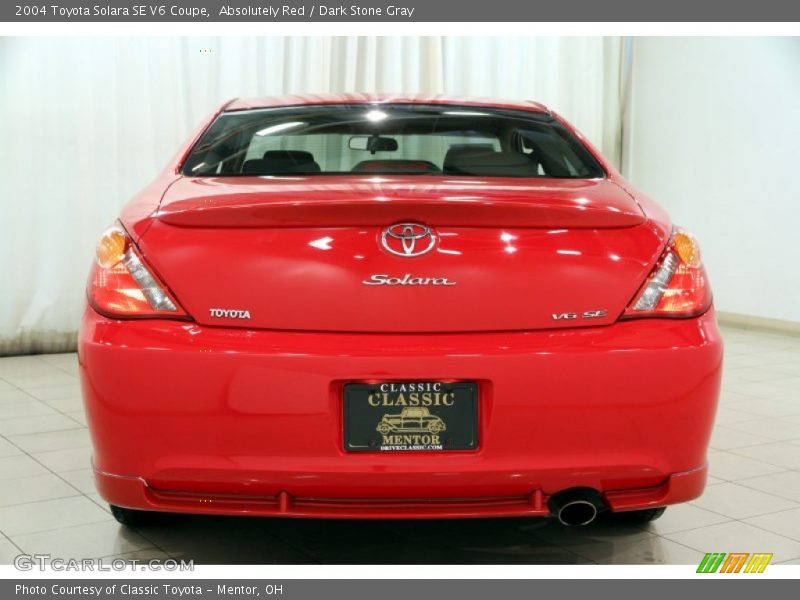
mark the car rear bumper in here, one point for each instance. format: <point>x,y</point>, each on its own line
<point>197,419</point>
<point>134,492</point>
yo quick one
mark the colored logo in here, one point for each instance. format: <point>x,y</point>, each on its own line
<point>734,562</point>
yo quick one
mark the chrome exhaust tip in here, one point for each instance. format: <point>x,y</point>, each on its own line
<point>576,506</point>
<point>577,512</point>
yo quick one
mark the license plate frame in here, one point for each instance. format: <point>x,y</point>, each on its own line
<point>410,416</point>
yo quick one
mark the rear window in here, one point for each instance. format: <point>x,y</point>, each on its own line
<point>387,140</point>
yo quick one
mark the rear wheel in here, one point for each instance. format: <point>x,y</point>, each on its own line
<point>637,517</point>
<point>136,518</point>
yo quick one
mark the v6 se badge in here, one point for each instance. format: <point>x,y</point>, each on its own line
<point>587,314</point>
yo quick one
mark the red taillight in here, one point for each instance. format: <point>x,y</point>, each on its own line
<point>677,287</point>
<point>122,286</point>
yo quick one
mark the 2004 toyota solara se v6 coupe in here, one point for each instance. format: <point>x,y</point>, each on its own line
<point>364,306</point>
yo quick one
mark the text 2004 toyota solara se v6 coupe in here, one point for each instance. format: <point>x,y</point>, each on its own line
<point>397,307</point>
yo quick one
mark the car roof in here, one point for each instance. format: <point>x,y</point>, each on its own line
<point>371,98</point>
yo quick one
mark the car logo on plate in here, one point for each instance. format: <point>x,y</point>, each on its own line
<point>411,420</point>
<point>408,239</point>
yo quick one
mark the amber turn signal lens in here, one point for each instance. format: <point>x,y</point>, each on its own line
<point>687,248</point>
<point>111,247</point>
<point>677,287</point>
<point>121,285</point>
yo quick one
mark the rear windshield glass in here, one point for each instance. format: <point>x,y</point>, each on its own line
<point>389,139</point>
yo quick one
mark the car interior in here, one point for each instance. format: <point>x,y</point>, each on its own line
<point>460,159</point>
<point>413,142</point>
<point>278,162</point>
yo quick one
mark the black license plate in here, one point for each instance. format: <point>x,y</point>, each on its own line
<point>407,416</point>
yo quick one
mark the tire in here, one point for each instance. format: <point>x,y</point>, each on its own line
<point>637,517</point>
<point>136,518</point>
<point>384,428</point>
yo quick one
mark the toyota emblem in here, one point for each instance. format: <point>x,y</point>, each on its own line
<point>408,239</point>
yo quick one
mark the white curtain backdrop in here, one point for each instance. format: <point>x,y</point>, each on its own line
<point>85,123</point>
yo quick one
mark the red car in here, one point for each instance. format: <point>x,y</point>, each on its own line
<point>308,268</point>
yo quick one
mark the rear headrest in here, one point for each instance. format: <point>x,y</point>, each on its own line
<point>471,161</point>
<point>254,166</point>
<point>290,161</point>
<point>396,165</point>
<point>277,162</point>
<point>456,151</point>
<point>298,156</point>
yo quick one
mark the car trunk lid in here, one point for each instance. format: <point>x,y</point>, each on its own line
<point>311,253</point>
<point>247,202</point>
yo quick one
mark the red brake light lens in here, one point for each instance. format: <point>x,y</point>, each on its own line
<point>678,286</point>
<point>122,286</point>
